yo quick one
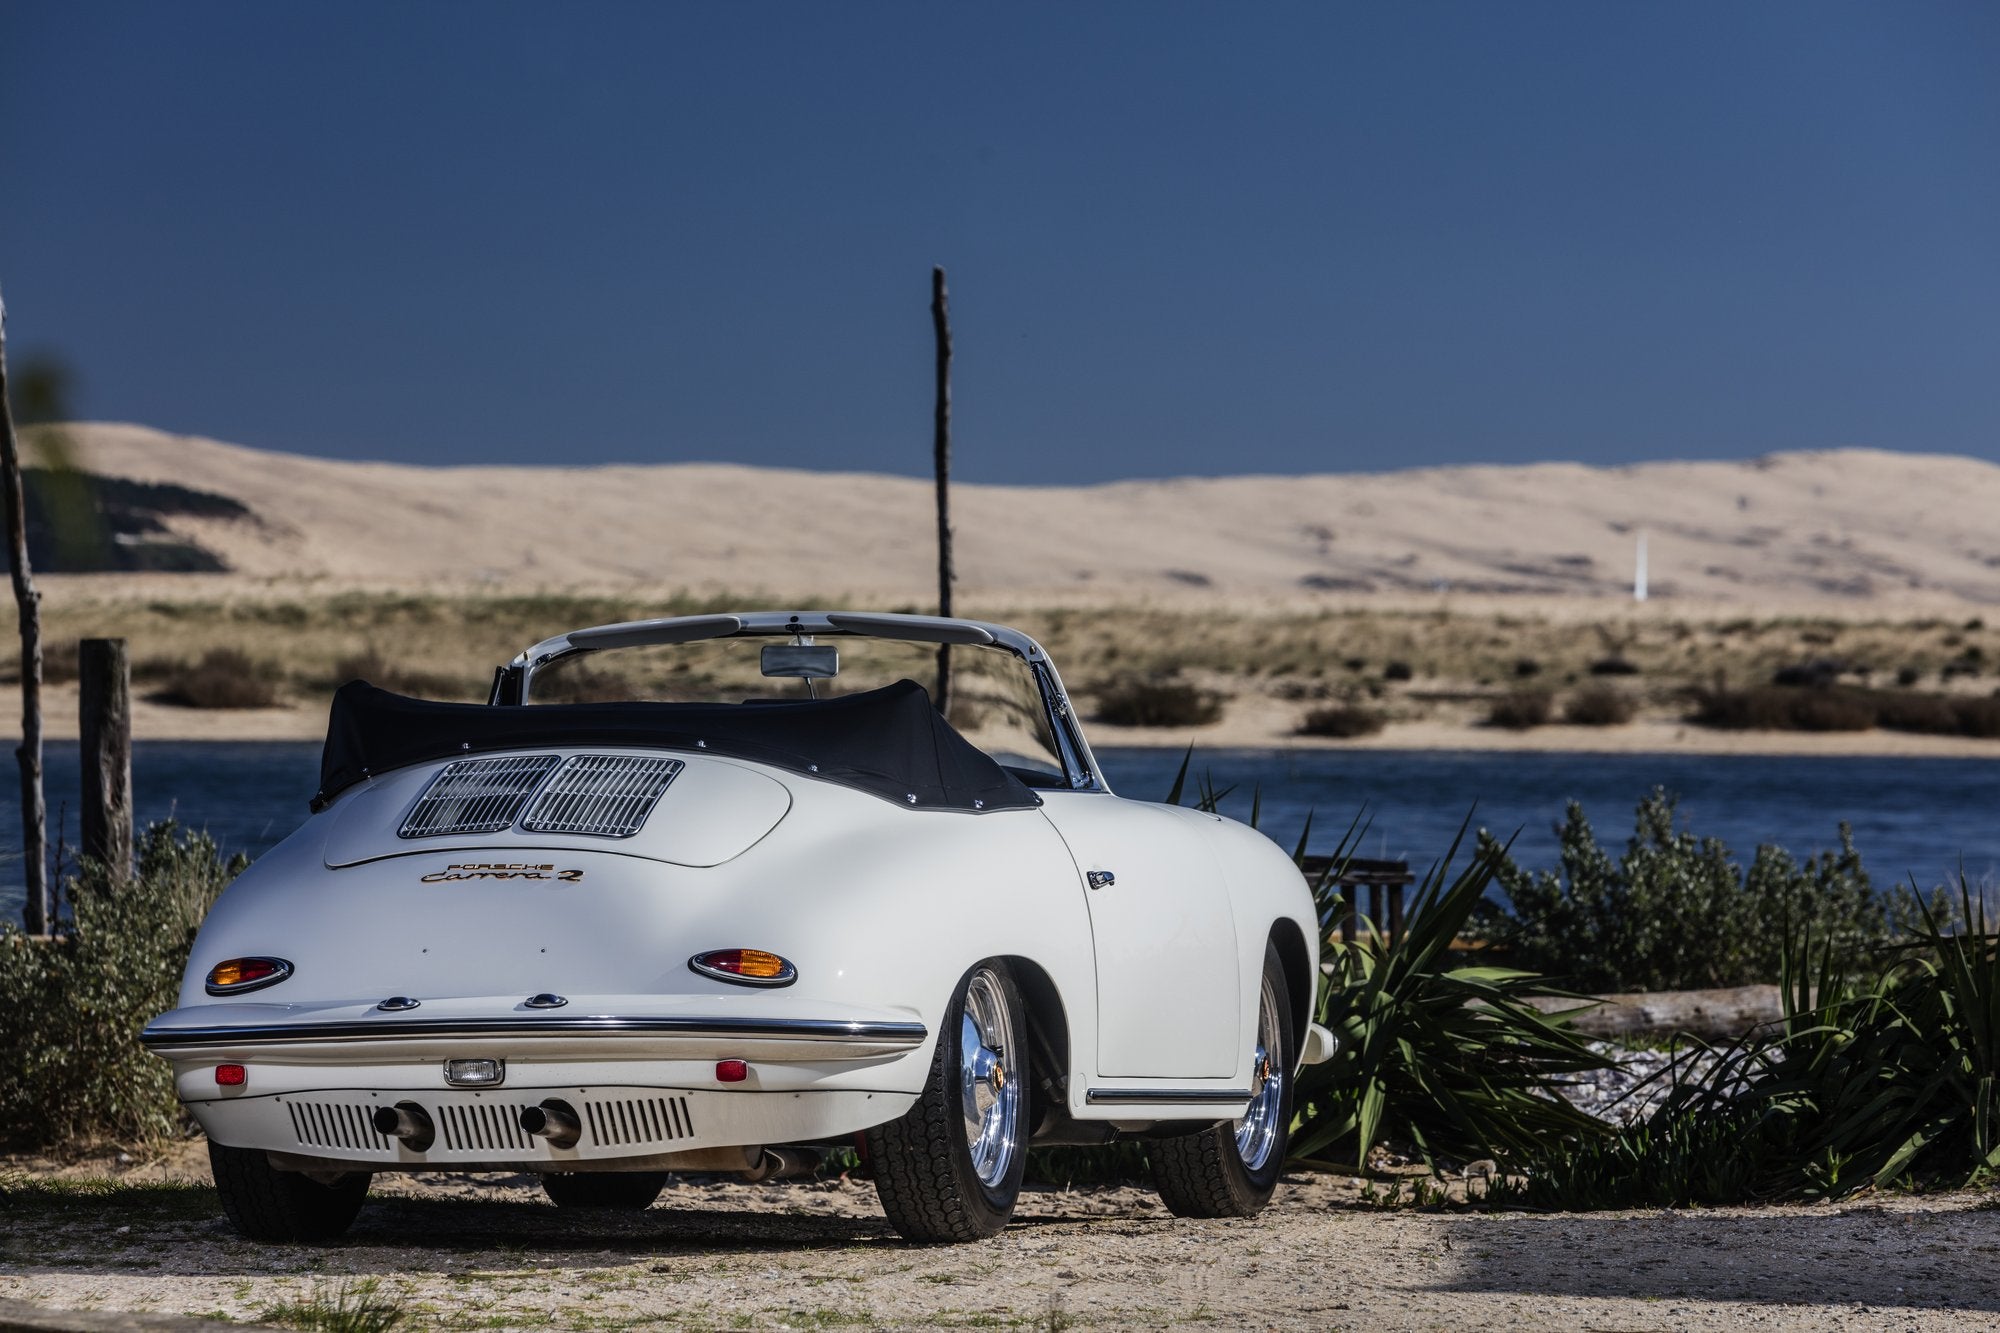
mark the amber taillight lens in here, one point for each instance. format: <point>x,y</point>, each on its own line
<point>234,976</point>
<point>745,967</point>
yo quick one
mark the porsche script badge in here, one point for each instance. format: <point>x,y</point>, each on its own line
<point>502,870</point>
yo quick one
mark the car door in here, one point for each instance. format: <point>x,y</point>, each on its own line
<point>1163,932</point>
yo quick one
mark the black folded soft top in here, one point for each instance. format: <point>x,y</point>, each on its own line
<point>888,742</point>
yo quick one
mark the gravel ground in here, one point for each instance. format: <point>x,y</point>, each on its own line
<point>488,1253</point>
<point>1639,1082</point>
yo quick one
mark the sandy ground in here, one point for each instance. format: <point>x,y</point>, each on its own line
<point>1837,526</point>
<point>488,1252</point>
<point>1252,723</point>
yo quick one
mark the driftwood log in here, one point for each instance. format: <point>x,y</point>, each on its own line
<point>1712,1015</point>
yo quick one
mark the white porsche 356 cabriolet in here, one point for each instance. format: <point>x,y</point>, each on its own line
<point>689,892</point>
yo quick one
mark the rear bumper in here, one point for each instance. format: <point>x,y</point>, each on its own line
<point>595,1036</point>
<point>629,1127</point>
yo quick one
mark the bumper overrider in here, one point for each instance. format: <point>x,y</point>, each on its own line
<point>610,1086</point>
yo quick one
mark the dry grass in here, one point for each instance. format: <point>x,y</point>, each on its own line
<point>1415,664</point>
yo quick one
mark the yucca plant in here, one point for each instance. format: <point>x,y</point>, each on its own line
<point>1890,1081</point>
<point>1448,1057</point>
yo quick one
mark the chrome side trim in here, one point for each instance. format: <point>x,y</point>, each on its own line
<point>790,1029</point>
<point>1163,1096</point>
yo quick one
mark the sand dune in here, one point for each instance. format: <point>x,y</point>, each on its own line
<point>1848,526</point>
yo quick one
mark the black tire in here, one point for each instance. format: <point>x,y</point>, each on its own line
<point>1205,1174</point>
<point>282,1207</point>
<point>926,1174</point>
<point>620,1191</point>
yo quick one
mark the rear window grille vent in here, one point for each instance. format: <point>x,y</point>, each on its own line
<point>484,1127</point>
<point>478,795</point>
<point>604,795</point>
<point>335,1125</point>
<point>638,1120</point>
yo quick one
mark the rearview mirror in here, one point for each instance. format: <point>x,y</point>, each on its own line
<point>805,661</point>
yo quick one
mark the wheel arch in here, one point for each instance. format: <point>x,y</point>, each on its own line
<point>1300,984</point>
<point>1048,1036</point>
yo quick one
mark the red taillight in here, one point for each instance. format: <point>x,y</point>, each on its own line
<point>233,976</point>
<point>231,1076</point>
<point>749,967</point>
<point>731,1071</point>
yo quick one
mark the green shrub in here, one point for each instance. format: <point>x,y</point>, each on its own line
<point>1599,706</point>
<point>1342,721</point>
<point>1133,702</point>
<point>70,1062</point>
<point>1520,710</point>
<point>1677,912</point>
<point>223,678</point>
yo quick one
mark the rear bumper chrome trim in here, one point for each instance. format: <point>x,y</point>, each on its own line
<point>1166,1096</point>
<point>779,1029</point>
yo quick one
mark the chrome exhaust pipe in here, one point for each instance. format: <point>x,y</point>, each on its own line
<point>553,1120</point>
<point>783,1164</point>
<point>406,1121</point>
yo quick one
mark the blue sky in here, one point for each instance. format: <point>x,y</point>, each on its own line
<point>1181,239</point>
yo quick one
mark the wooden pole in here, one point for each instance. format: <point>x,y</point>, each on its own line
<point>941,458</point>
<point>105,718</point>
<point>39,910</point>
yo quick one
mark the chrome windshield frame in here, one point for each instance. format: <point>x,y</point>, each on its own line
<point>1080,770</point>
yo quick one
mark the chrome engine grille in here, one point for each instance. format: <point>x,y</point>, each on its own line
<point>634,1120</point>
<point>604,795</point>
<point>484,1127</point>
<point>336,1125</point>
<point>478,795</point>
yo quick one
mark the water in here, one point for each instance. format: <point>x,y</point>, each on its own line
<point>1910,816</point>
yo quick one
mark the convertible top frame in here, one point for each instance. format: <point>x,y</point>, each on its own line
<point>514,683</point>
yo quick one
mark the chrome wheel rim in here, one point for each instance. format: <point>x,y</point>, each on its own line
<point>990,1092</point>
<point>1257,1132</point>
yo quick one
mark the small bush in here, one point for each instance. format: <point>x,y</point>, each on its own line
<point>1614,666</point>
<point>1156,703</point>
<point>1599,706</point>
<point>372,667</point>
<point>1527,667</point>
<point>1520,710</point>
<point>1907,676</point>
<point>1779,708</point>
<point>223,678</point>
<point>70,1062</point>
<point>1816,674</point>
<point>1929,713</point>
<point>1398,671</point>
<point>1341,721</point>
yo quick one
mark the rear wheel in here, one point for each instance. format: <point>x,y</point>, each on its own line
<point>950,1168</point>
<point>1230,1169</point>
<point>622,1191</point>
<point>283,1207</point>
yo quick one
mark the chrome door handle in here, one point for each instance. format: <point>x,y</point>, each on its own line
<point>1101,879</point>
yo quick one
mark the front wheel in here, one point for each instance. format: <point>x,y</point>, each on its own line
<point>950,1168</point>
<point>283,1207</point>
<point>1230,1169</point>
<point>618,1191</point>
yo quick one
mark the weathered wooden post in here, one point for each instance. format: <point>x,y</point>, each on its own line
<point>34,807</point>
<point>941,458</point>
<point>105,725</point>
